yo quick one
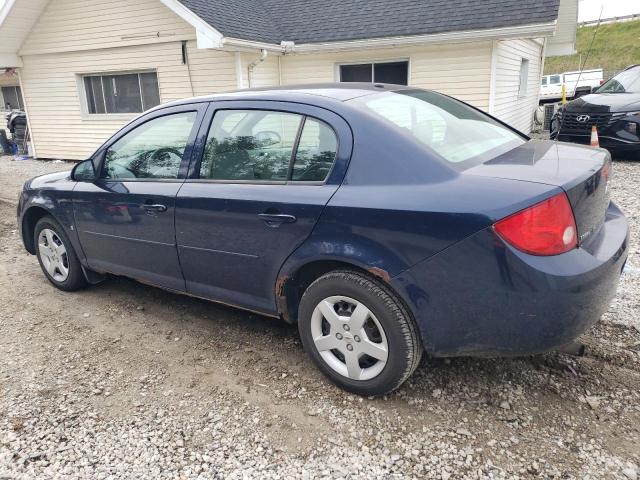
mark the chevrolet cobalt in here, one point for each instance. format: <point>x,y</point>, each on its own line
<point>384,221</point>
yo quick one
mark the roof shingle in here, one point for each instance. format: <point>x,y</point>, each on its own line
<point>313,21</point>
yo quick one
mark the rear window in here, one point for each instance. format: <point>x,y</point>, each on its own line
<point>458,133</point>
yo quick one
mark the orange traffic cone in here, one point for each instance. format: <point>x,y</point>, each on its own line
<point>594,137</point>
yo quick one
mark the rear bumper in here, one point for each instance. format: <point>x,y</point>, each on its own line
<point>482,297</point>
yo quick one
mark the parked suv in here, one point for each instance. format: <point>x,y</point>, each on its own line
<point>614,109</point>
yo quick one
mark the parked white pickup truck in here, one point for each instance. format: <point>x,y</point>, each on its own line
<point>576,84</point>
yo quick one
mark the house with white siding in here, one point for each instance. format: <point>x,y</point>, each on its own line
<point>86,67</point>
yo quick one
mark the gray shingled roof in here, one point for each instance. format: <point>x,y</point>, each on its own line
<point>312,21</point>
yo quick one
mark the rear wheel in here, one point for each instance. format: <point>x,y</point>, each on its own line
<point>358,333</point>
<point>56,256</point>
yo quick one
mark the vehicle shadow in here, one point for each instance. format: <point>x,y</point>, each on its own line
<point>230,335</point>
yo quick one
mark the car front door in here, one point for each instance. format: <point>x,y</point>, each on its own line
<point>254,194</point>
<point>125,219</point>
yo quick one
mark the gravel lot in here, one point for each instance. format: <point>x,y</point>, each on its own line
<point>127,381</point>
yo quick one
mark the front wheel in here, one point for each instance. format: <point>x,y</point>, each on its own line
<point>358,333</point>
<point>57,257</point>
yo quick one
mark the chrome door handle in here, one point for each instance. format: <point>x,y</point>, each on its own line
<point>277,218</point>
<point>155,207</point>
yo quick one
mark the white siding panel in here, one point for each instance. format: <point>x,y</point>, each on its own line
<point>509,106</point>
<point>265,73</point>
<point>53,96</point>
<point>71,25</point>
<point>212,71</point>
<point>461,70</point>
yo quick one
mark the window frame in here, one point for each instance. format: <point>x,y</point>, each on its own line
<point>373,63</point>
<point>99,157</point>
<point>523,80</point>
<point>18,93</point>
<point>84,101</point>
<point>194,170</point>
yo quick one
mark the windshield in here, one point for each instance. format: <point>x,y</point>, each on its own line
<point>458,133</point>
<point>625,82</point>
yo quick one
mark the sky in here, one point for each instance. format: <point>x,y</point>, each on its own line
<point>590,9</point>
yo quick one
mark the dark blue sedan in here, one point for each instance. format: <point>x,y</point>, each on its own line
<point>385,221</point>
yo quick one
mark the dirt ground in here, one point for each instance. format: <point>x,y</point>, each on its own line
<point>124,380</point>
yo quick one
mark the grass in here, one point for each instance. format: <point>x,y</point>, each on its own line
<point>616,46</point>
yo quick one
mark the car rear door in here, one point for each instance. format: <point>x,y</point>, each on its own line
<point>125,219</point>
<point>262,176</point>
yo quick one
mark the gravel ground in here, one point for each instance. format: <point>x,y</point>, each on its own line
<point>127,381</point>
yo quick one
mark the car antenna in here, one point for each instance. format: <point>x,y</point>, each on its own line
<point>582,67</point>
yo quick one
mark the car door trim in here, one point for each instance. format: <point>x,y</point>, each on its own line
<point>202,249</point>
<point>130,239</point>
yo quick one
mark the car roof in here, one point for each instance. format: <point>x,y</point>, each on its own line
<point>333,92</point>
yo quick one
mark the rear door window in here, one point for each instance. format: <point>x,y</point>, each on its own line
<point>265,146</point>
<point>250,145</point>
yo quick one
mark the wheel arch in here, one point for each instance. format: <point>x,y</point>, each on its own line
<point>30,218</point>
<point>293,281</point>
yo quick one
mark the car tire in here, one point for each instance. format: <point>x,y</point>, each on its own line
<point>56,256</point>
<point>348,323</point>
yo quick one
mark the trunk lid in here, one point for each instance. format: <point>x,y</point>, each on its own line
<point>582,172</point>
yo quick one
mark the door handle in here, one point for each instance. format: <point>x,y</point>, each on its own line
<point>154,207</point>
<point>275,219</point>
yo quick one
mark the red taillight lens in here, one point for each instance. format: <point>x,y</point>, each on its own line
<point>546,228</point>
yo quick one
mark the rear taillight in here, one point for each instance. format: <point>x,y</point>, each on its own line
<point>546,228</point>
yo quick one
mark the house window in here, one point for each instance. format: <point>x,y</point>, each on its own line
<point>125,93</point>
<point>12,98</point>
<point>379,72</point>
<point>524,77</point>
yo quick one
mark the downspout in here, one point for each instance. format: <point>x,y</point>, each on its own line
<point>252,65</point>
<point>493,80</point>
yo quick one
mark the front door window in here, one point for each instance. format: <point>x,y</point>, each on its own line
<point>154,150</point>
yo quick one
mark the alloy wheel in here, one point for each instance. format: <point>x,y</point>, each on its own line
<point>53,254</point>
<point>349,338</point>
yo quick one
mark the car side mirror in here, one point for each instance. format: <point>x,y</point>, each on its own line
<point>84,172</point>
<point>595,89</point>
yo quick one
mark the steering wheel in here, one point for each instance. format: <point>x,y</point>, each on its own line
<point>163,158</point>
<point>165,153</point>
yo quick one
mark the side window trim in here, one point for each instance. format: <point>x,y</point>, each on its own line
<point>200,108</point>
<point>294,150</point>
